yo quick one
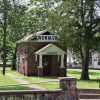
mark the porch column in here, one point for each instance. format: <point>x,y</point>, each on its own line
<point>62,61</point>
<point>62,69</point>
<point>40,61</point>
<point>40,67</point>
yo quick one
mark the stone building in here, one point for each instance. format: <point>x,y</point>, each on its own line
<point>39,54</point>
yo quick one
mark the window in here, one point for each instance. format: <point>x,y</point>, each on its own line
<point>95,59</point>
<point>98,61</point>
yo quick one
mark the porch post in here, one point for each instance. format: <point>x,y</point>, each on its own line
<point>40,61</point>
<point>62,69</point>
<point>62,61</point>
<point>40,67</point>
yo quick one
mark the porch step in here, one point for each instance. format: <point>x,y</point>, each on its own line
<point>84,96</point>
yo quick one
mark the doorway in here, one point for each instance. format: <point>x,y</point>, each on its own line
<point>47,65</point>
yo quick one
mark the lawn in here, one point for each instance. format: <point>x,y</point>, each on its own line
<point>49,85</point>
<point>5,82</point>
<point>93,83</point>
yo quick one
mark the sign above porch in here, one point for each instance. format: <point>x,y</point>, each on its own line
<point>41,36</point>
<point>44,36</point>
<point>50,49</point>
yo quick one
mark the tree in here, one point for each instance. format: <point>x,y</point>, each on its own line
<point>39,13</point>
<point>87,26</point>
<point>19,27</point>
<point>4,26</point>
<point>77,23</point>
<point>82,29</point>
<point>11,24</point>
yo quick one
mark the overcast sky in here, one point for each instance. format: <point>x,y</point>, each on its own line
<point>26,1</point>
<point>23,1</point>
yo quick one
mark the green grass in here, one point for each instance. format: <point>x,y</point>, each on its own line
<point>93,83</point>
<point>49,85</point>
<point>54,85</point>
<point>19,87</point>
<point>5,81</point>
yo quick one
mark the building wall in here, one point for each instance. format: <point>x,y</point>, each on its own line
<point>32,63</point>
<point>96,60</point>
<point>27,60</point>
<point>21,60</point>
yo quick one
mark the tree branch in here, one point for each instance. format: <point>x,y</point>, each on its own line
<point>95,31</point>
<point>1,24</point>
<point>82,12</point>
<point>95,22</point>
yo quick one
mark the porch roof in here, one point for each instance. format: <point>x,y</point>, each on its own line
<point>50,49</point>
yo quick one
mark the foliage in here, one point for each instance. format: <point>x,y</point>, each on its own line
<point>87,27</point>
<point>13,27</point>
<point>77,22</point>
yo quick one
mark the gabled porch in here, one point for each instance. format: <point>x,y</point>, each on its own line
<point>51,61</point>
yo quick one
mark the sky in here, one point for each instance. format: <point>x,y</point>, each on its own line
<point>26,1</point>
<point>23,1</point>
<point>98,8</point>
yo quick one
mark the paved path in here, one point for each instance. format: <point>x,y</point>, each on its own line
<point>21,81</point>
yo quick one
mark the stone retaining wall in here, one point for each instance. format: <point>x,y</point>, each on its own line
<point>68,91</point>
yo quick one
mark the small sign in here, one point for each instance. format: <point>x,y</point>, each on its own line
<point>50,53</point>
<point>46,37</point>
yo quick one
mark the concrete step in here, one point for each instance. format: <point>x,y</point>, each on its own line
<point>84,96</point>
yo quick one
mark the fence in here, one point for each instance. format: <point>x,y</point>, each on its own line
<point>67,91</point>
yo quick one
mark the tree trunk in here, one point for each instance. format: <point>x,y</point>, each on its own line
<point>65,64</point>
<point>65,59</point>
<point>4,35</point>
<point>85,63</point>
<point>14,60</point>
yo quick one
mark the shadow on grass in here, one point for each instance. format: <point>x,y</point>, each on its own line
<point>19,87</point>
<point>77,72</point>
<point>74,72</point>
<point>7,69</point>
<point>48,77</point>
<point>90,81</point>
<point>94,73</point>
